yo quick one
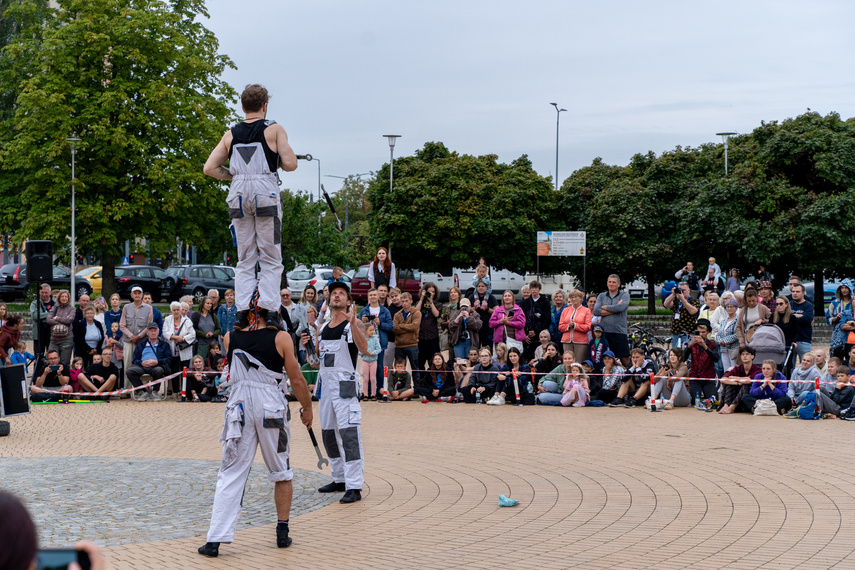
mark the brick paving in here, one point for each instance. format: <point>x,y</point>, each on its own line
<point>598,488</point>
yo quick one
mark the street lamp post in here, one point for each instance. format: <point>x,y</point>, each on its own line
<point>725,137</point>
<point>557,119</point>
<point>346,204</point>
<point>392,139</point>
<point>73,140</point>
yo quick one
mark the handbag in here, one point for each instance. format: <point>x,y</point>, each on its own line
<point>58,331</point>
<point>183,345</point>
<point>512,342</point>
<point>733,353</point>
<point>765,407</point>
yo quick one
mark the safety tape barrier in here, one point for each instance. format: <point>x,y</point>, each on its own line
<point>625,374</point>
<point>135,388</point>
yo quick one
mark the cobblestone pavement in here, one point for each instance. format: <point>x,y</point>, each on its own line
<point>598,488</point>
<point>113,501</point>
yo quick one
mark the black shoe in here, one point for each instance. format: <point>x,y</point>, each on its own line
<point>274,321</point>
<point>211,549</point>
<point>630,402</point>
<point>617,402</point>
<point>351,496</point>
<point>333,488</point>
<point>282,538</point>
<point>241,320</point>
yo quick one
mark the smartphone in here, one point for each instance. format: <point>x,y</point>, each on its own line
<point>54,367</point>
<point>60,558</point>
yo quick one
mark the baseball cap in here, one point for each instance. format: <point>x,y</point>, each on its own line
<point>136,288</point>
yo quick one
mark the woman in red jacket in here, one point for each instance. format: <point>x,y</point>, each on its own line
<point>575,323</point>
<point>10,334</point>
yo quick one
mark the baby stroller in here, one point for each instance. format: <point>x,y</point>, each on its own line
<point>768,342</point>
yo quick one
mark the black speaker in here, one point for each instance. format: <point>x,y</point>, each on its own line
<point>39,260</point>
<point>14,393</point>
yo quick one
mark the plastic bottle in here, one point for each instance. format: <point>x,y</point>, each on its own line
<point>477,397</point>
<point>697,399</point>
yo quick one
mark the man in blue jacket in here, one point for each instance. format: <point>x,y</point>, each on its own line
<point>152,356</point>
<point>803,313</point>
<point>381,318</point>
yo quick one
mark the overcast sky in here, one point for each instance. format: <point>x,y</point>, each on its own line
<point>479,75</point>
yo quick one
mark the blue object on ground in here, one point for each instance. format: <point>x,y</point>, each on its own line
<point>507,502</point>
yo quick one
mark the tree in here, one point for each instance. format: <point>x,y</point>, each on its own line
<point>139,82</point>
<point>446,210</point>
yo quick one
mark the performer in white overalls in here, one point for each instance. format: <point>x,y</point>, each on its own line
<point>255,149</point>
<point>339,409</point>
<point>256,414</point>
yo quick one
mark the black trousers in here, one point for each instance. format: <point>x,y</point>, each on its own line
<point>469,398</point>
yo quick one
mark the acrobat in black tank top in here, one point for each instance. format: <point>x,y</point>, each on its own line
<point>243,133</point>
<point>260,344</point>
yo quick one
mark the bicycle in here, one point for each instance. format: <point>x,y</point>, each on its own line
<point>642,338</point>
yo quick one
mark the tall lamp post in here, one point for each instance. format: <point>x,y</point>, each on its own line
<point>557,119</point>
<point>725,137</point>
<point>392,139</point>
<point>73,140</point>
<point>346,205</point>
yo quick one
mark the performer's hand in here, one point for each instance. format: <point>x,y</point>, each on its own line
<point>306,417</point>
<point>351,312</point>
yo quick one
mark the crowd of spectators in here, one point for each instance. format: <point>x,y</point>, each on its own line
<point>487,347</point>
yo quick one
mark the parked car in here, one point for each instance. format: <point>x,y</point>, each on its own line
<point>638,289</point>
<point>501,280</point>
<point>316,276</point>
<point>14,284</point>
<point>149,277</point>
<point>196,280</point>
<point>93,274</point>
<point>829,289</point>
<point>408,280</point>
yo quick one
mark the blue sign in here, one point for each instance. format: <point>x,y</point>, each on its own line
<point>125,262</point>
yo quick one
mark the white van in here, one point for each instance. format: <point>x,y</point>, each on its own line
<point>463,279</point>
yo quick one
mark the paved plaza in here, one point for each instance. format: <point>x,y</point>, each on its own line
<point>597,488</point>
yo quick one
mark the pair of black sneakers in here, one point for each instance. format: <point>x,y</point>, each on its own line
<point>626,401</point>
<point>271,318</point>
<point>350,495</point>
<point>212,549</point>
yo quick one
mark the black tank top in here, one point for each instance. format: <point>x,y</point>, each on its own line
<point>260,344</point>
<point>337,333</point>
<point>243,133</point>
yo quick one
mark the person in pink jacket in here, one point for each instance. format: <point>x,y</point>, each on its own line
<point>508,322</point>
<point>575,323</point>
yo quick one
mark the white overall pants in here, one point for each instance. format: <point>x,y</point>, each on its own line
<point>256,414</point>
<point>340,412</point>
<point>255,208</point>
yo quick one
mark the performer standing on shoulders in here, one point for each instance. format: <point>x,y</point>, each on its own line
<point>339,341</point>
<point>256,414</point>
<point>255,150</point>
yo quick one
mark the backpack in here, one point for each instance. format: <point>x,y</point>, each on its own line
<point>809,410</point>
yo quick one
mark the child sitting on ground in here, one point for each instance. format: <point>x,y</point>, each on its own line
<point>369,362</point>
<point>576,389</point>
<point>400,381</point>
<point>214,355</point>
<point>74,373</point>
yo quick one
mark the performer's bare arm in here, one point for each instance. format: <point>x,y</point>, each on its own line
<point>287,158</point>
<point>295,375</point>
<point>357,329</point>
<point>214,166</point>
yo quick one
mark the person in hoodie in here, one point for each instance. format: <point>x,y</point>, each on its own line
<point>10,334</point>
<point>636,383</point>
<point>704,356</point>
<point>484,378</point>
<point>837,392</point>
<point>767,385</point>
<point>803,381</point>
<point>597,347</point>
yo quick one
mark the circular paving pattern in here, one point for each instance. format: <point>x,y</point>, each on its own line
<point>113,501</point>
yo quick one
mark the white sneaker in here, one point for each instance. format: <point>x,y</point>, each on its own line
<point>498,400</point>
<point>669,405</point>
<point>143,397</point>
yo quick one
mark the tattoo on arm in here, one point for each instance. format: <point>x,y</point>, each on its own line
<point>224,172</point>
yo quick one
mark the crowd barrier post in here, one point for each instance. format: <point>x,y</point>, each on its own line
<point>184,385</point>
<point>385,384</point>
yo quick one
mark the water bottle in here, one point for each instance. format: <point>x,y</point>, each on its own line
<point>697,399</point>
<point>477,397</point>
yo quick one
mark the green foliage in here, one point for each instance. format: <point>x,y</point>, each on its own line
<point>446,210</point>
<point>785,204</point>
<point>138,82</point>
